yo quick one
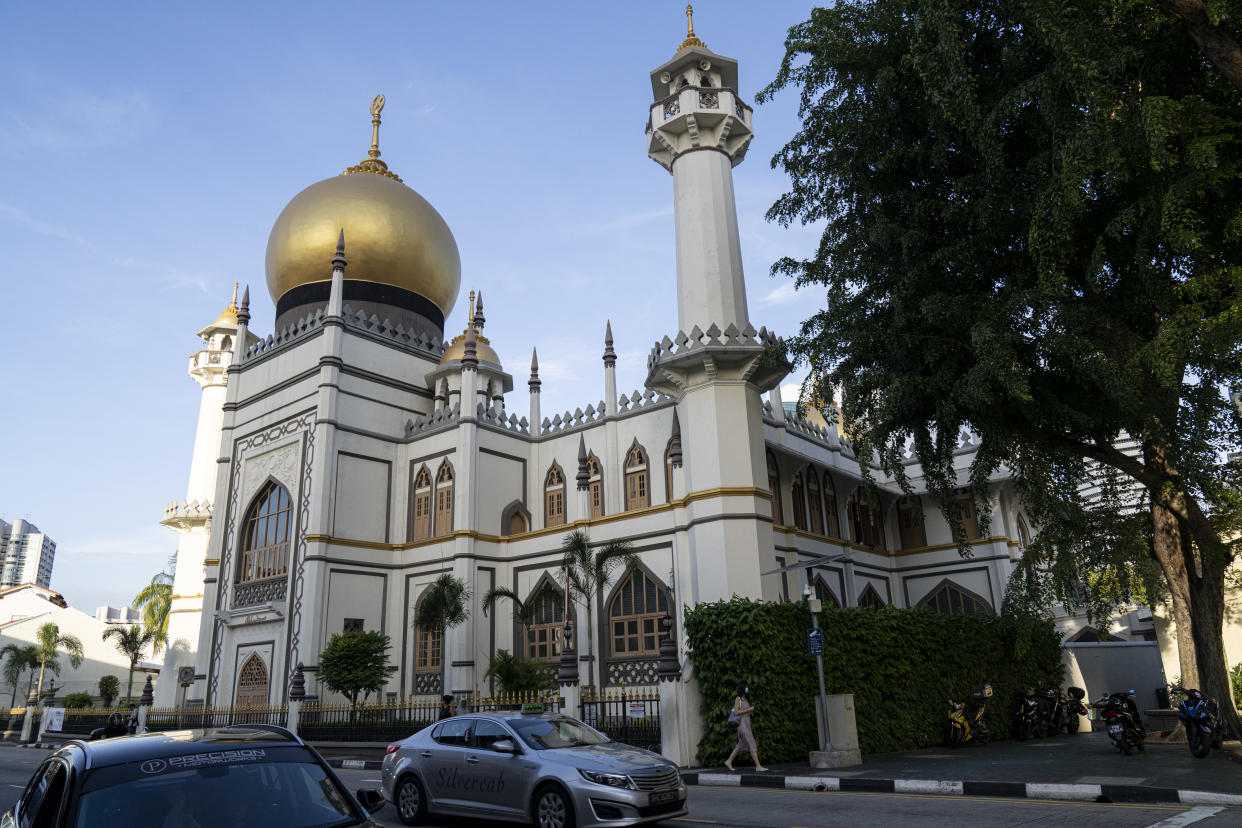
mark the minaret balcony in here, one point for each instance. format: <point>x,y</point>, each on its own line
<point>696,117</point>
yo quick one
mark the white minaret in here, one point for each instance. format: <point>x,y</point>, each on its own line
<point>191,518</point>
<point>699,130</point>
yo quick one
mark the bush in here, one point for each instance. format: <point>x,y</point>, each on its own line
<point>1235,679</point>
<point>109,687</point>
<point>515,675</point>
<point>78,700</point>
<point>901,666</point>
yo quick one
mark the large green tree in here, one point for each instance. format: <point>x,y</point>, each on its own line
<point>132,642</point>
<point>590,571</point>
<point>18,658</point>
<point>1031,230</point>
<point>155,601</point>
<point>356,664</point>
<point>48,642</point>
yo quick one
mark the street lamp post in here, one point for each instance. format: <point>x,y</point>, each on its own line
<point>815,605</point>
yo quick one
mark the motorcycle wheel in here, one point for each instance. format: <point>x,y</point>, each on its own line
<point>1196,739</point>
<point>1071,725</point>
<point>1123,745</point>
<point>1218,739</point>
<point>955,736</point>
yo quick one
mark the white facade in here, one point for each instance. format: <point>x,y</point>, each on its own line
<point>118,615</point>
<point>28,555</point>
<point>393,462</point>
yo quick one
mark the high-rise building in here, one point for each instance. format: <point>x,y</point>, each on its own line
<point>28,555</point>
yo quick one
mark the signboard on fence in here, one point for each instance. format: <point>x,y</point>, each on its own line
<point>638,710</point>
<point>53,718</point>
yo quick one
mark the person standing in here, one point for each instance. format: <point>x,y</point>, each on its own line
<point>742,708</point>
<point>448,707</point>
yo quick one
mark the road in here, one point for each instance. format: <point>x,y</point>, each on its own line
<point>766,808</point>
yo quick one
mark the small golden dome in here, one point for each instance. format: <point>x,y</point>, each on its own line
<point>228,316</point>
<point>457,349</point>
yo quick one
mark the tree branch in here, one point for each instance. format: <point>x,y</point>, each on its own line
<point>1215,43</point>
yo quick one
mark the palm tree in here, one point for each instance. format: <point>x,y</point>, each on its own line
<point>18,658</point>
<point>523,611</point>
<point>49,642</point>
<point>131,641</point>
<point>589,575</point>
<point>155,600</point>
<point>443,606</point>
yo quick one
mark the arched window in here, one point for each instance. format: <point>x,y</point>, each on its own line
<point>1024,535</point>
<point>866,526</point>
<point>543,636</point>
<point>635,615</point>
<point>428,647</point>
<point>265,544</point>
<point>871,599</point>
<point>595,486</point>
<point>799,502</point>
<point>668,473</point>
<point>422,504</point>
<point>949,598</point>
<point>517,523</point>
<point>823,593</point>
<point>226,344</point>
<point>252,683</point>
<point>774,486</point>
<point>910,524</point>
<point>966,514</point>
<point>636,494</point>
<point>444,500</point>
<point>554,497</point>
<point>812,496</point>
<point>830,507</point>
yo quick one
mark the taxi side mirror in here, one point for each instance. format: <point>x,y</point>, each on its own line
<point>372,800</point>
<point>504,746</point>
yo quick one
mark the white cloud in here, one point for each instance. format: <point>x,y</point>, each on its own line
<point>783,294</point>
<point>68,121</point>
<point>18,216</point>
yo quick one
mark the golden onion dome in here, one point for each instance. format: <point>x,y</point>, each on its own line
<point>393,236</point>
<point>457,349</point>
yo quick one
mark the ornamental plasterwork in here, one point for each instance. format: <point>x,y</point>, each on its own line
<point>280,463</point>
<point>633,673</point>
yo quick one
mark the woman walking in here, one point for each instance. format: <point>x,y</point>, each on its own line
<point>742,708</point>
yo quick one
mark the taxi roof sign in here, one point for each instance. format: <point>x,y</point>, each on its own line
<point>532,707</point>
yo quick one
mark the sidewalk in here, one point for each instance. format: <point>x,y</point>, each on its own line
<point>1084,767</point>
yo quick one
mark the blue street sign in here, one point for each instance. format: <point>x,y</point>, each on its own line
<point>815,640</point>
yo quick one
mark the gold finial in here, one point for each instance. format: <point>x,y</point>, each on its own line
<point>233,302</point>
<point>470,321</point>
<point>690,40</point>
<point>373,164</point>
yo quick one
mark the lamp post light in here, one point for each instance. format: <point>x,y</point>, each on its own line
<point>815,605</point>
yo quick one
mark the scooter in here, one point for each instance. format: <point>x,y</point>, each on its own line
<point>968,720</point>
<point>1201,717</point>
<point>1074,708</point>
<point>1025,714</point>
<point>1051,717</point>
<point>1121,719</point>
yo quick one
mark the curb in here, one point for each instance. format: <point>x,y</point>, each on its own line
<point>1016,790</point>
<point>359,764</point>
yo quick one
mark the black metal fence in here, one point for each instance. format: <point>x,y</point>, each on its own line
<point>196,718</point>
<point>396,719</point>
<point>81,721</point>
<point>630,716</point>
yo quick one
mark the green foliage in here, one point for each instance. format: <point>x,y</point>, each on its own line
<point>517,675</point>
<point>901,666</point>
<point>155,601</point>
<point>18,658</point>
<point>590,573</point>
<point>132,642</point>
<point>1235,682</point>
<point>444,605</point>
<point>109,687</point>
<point>356,663</point>
<point>77,700</point>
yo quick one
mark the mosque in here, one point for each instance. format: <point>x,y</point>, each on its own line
<point>346,460</point>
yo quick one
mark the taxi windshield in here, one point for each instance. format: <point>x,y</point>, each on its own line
<point>243,794</point>
<point>563,732</point>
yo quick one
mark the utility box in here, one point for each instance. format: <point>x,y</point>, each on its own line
<point>842,749</point>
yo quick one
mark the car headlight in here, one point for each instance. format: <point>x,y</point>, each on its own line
<point>614,780</point>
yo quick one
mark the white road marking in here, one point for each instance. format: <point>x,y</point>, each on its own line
<point>1188,817</point>
<point>17,786</point>
<point>370,780</point>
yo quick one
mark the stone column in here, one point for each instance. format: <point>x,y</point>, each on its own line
<point>144,706</point>
<point>567,675</point>
<point>297,692</point>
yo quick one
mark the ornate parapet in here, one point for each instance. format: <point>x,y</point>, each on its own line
<point>255,593</point>
<point>185,515</point>
<point>757,357</point>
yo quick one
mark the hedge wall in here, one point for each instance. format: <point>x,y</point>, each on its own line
<point>901,666</point>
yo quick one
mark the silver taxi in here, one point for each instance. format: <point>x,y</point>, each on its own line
<point>545,768</point>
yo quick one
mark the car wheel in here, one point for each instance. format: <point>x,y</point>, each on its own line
<point>410,800</point>
<point>553,809</point>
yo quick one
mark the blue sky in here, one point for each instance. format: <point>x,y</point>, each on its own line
<point>146,150</point>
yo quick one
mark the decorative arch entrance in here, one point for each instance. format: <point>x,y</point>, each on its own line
<point>252,683</point>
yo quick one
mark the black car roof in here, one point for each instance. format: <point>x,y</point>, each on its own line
<point>122,749</point>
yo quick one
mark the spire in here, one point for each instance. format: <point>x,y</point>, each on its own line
<point>336,291</point>
<point>373,164</point>
<point>478,314</point>
<point>674,443</point>
<point>338,261</point>
<point>534,371</point>
<point>470,318</point>
<point>690,40</point>
<point>584,477</point>
<point>470,358</point>
<point>610,356</point>
<point>243,313</point>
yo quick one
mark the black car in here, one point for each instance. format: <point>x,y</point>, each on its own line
<point>244,776</point>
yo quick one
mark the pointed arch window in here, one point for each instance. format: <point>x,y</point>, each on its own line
<point>948,598</point>
<point>871,599</point>
<point>967,515</point>
<point>813,499</point>
<point>265,544</point>
<point>799,502</point>
<point>428,647</point>
<point>595,486</point>
<point>543,636</point>
<point>637,495</point>
<point>823,593</point>
<point>910,524</point>
<point>226,344</point>
<point>668,472</point>
<point>866,525</point>
<point>635,614</point>
<point>422,504</point>
<point>1024,535</point>
<point>774,486</point>
<point>554,497</point>
<point>444,500</point>
<point>252,683</point>
<point>833,522</point>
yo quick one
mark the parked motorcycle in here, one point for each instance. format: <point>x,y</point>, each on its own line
<point>1051,716</point>
<point>1074,708</point>
<point>968,720</point>
<point>1025,714</point>
<point>1121,719</point>
<point>1201,717</point>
